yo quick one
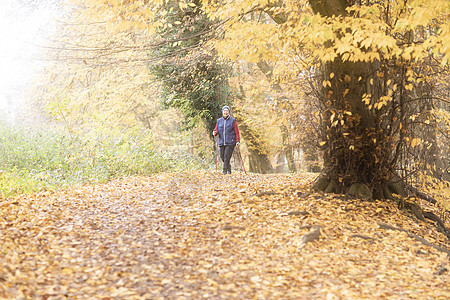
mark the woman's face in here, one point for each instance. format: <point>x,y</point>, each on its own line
<point>225,112</point>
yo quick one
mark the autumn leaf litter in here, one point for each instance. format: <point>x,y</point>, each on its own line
<point>204,235</point>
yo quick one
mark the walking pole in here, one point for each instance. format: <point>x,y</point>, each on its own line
<point>240,157</point>
<point>215,151</point>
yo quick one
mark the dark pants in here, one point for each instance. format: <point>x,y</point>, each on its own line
<point>225,155</point>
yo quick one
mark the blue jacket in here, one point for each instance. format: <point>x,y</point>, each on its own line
<point>226,128</point>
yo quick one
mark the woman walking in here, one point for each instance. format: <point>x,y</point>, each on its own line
<point>228,132</point>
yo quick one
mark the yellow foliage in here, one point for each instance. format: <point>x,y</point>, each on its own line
<point>102,79</point>
<point>294,40</point>
<point>254,42</point>
<point>366,34</point>
<point>415,141</point>
<point>437,188</point>
<point>364,38</point>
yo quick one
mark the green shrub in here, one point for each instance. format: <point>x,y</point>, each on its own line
<point>48,158</point>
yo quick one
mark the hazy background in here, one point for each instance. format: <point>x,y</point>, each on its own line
<point>24,29</point>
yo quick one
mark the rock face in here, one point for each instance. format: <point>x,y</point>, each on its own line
<point>360,190</point>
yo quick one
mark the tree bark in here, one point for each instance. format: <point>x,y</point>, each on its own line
<point>287,149</point>
<point>356,151</point>
<point>258,160</point>
<point>328,8</point>
<point>279,168</point>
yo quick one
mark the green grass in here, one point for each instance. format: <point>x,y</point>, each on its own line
<point>34,159</point>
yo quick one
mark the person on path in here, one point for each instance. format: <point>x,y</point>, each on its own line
<point>229,137</point>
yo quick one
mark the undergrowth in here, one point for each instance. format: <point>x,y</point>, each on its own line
<point>43,158</point>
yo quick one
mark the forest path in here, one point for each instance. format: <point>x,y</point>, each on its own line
<point>205,235</point>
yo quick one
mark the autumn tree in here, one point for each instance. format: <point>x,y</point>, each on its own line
<point>96,76</point>
<point>366,56</point>
<point>278,112</point>
<point>372,83</point>
<point>193,77</point>
<point>367,59</point>
<point>196,80</point>
<point>403,116</point>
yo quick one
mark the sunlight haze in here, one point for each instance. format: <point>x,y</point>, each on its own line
<point>21,34</point>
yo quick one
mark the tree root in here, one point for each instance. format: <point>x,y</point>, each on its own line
<point>234,202</point>
<point>231,227</point>
<point>321,183</point>
<point>421,215</point>
<point>422,195</point>
<point>433,217</point>
<point>359,190</point>
<point>439,223</point>
<point>265,193</point>
<point>364,237</point>
<point>395,187</point>
<point>412,235</point>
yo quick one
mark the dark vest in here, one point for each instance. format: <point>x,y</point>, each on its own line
<point>227,136</point>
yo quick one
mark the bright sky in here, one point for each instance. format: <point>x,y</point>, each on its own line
<point>20,31</point>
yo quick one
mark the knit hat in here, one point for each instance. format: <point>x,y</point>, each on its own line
<point>226,107</point>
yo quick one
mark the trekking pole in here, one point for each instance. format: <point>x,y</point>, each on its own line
<point>215,151</point>
<point>240,157</point>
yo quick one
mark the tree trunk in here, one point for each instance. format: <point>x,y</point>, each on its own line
<point>288,151</point>
<point>259,163</point>
<point>279,168</point>
<point>356,151</point>
<point>258,160</point>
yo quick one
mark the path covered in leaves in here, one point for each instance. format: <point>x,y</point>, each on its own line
<point>204,235</point>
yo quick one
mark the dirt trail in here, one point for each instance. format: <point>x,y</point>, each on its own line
<point>204,235</point>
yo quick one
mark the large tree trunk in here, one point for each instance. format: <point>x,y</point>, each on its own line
<point>356,151</point>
